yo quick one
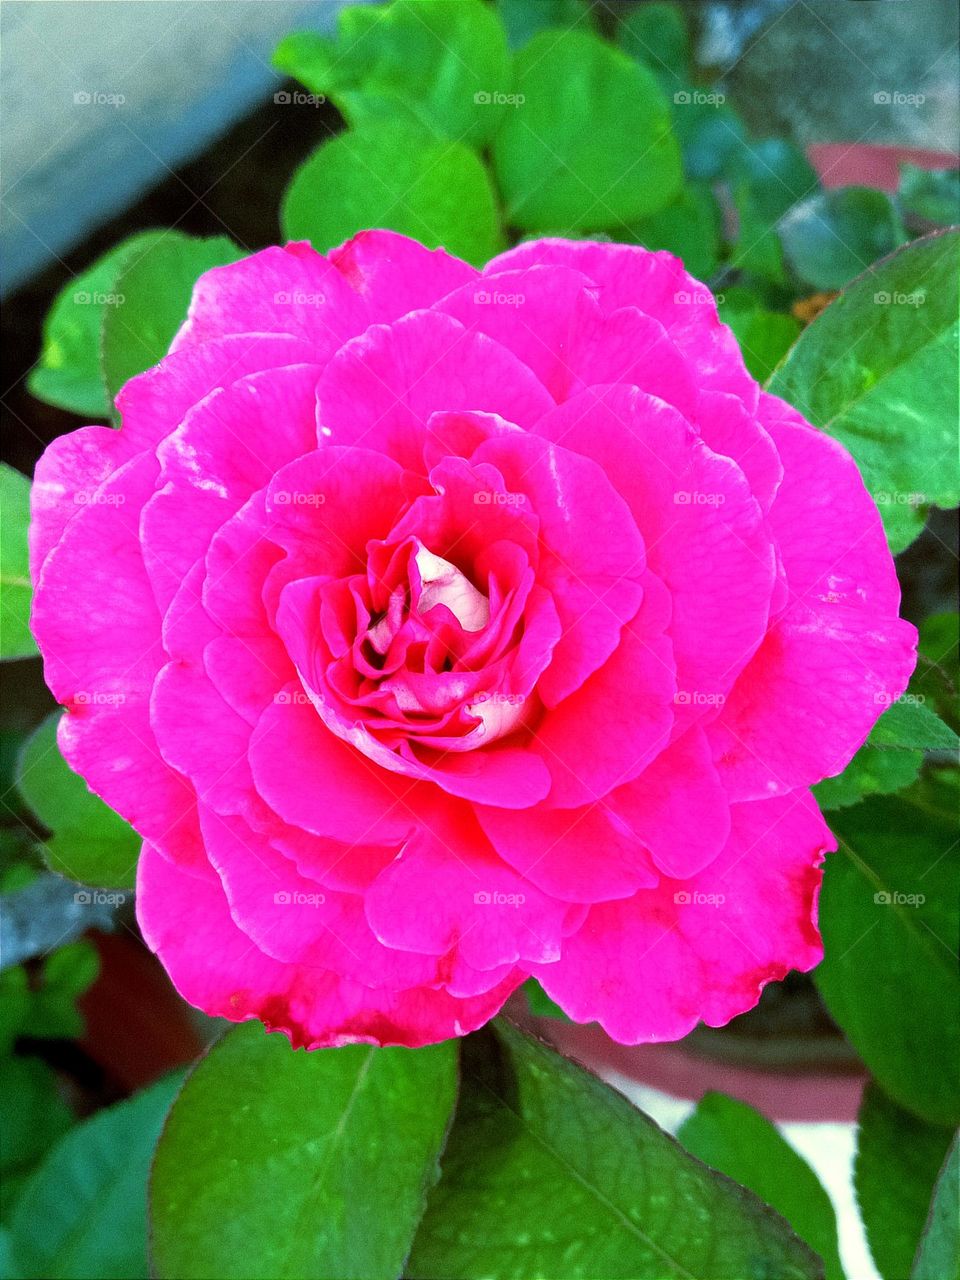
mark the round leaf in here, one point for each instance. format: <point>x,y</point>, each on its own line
<point>398,177</point>
<point>153,290</point>
<point>438,65</point>
<point>68,372</point>
<point>833,236</point>
<point>590,145</point>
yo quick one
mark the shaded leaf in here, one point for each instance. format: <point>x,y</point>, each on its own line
<point>83,1212</point>
<point>833,236</point>
<point>523,19</point>
<point>656,33</point>
<point>888,915</point>
<point>689,228</point>
<point>932,195</point>
<point>938,1257</point>
<point>897,1162</point>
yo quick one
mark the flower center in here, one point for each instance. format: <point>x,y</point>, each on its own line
<point>442,583</point>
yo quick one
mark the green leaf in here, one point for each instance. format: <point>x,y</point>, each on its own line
<point>689,228</point>
<point>443,67</point>
<point>16,592</point>
<point>394,176</point>
<point>897,1162</point>
<point>831,237</point>
<point>764,336</point>
<point>523,19</point>
<point>930,194</point>
<point>710,133</point>
<point>777,173</point>
<point>539,1003</point>
<point>153,292</point>
<point>47,1010</point>
<point>590,147</point>
<point>289,1164</point>
<point>67,973</point>
<point>736,1140</point>
<point>891,757</point>
<point>908,723</point>
<point>877,369</point>
<point>888,915</point>
<point>83,1212</point>
<point>757,247</point>
<point>656,34</point>
<point>90,842</point>
<point>938,1257</point>
<point>33,1116</point>
<point>935,678</point>
<point>68,373</point>
<point>549,1172</point>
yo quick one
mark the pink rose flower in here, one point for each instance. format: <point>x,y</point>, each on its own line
<point>436,629</point>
